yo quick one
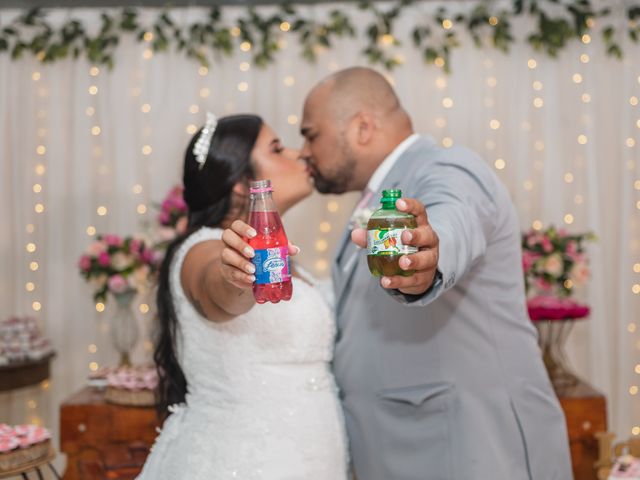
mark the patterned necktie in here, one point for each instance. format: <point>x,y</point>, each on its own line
<point>365,198</point>
<point>347,262</point>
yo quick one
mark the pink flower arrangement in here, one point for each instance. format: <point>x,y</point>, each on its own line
<point>118,265</point>
<point>554,261</point>
<point>172,218</point>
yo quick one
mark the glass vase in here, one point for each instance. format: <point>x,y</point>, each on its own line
<point>124,326</point>
<point>552,337</point>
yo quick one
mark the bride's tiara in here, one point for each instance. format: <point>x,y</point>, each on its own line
<point>201,148</point>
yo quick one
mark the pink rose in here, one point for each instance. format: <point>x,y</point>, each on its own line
<point>164,217</point>
<point>528,259</point>
<point>113,240</point>
<point>577,257</point>
<point>84,263</point>
<point>180,204</point>
<point>579,274</point>
<point>158,256</point>
<point>117,284</point>
<point>134,246</point>
<point>104,260</point>
<point>147,255</point>
<point>547,246</point>
<point>96,248</point>
<point>542,285</point>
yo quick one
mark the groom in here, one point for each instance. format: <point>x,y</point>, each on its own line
<point>440,374</point>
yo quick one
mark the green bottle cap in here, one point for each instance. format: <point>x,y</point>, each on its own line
<point>389,198</point>
<point>392,193</point>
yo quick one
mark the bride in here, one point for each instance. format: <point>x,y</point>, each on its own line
<point>247,388</point>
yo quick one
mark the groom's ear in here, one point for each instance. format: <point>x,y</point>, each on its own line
<point>366,124</point>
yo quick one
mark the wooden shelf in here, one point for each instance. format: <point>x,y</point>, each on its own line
<point>25,374</point>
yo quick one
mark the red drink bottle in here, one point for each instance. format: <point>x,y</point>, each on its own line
<point>273,272</point>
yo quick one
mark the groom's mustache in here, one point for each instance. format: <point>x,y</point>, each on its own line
<point>311,168</point>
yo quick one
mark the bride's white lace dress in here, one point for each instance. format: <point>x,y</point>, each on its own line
<point>261,402</point>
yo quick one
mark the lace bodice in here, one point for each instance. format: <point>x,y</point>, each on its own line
<point>217,357</point>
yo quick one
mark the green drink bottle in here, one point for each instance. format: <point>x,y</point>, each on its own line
<point>384,243</point>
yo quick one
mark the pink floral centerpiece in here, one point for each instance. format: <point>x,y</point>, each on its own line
<point>122,267</point>
<point>554,264</point>
<point>118,265</point>
<point>172,218</point>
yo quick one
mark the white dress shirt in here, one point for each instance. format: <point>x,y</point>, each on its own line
<point>387,164</point>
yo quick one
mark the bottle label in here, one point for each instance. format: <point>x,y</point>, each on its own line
<point>387,241</point>
<point>272,265</point>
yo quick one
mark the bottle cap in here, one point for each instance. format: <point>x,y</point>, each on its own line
<point>392,193</point>
<point>260,186</point>
<point>389,197</point>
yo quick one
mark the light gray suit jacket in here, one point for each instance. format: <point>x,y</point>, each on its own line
<point>449,385</point>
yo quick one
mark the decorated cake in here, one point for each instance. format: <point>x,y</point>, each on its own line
<point>133,386</point>
<point>22,341</point>
<point>627,468</point>
<point>22,445</point>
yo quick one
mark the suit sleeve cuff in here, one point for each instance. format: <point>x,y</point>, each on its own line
<point>421,299</point>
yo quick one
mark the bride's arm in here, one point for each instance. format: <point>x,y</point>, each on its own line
<point>217,276</point>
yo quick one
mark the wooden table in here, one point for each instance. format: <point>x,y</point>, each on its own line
<point>111,441</point>
<point>586,411</point>
<point>102,440</point>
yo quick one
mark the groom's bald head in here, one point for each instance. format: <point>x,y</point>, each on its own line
<point>356,89</point>
<point>351,121</point>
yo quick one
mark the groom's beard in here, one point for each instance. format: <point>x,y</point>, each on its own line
<point>340,179</point>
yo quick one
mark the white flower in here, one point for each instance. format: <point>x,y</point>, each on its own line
<point>360,217</point>
<point>98,282</point>
<point>553,265</point>
<point>120,261</point>
<point>138,280</point>
<point>579,274</point>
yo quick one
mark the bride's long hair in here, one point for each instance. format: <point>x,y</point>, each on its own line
<point>208,194</point>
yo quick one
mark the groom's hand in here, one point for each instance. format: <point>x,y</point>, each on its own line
<point>424,262</point>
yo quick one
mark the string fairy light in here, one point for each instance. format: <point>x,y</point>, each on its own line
<point>39,170</point>
<point>494,123</point>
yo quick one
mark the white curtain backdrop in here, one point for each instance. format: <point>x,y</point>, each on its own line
<point>562,134</point>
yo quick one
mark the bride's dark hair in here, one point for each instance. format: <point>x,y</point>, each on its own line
<point>208,194</point>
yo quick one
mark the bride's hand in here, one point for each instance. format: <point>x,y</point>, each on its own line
<point>237,268</point>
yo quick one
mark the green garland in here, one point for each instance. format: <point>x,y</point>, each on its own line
<point>436,36</point>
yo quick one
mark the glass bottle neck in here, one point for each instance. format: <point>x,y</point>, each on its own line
<point>262,202</point>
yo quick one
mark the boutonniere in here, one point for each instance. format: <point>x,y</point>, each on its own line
<point>360,217</point>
